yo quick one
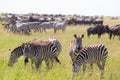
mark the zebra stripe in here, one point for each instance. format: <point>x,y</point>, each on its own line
<point>36,26</point>
<point>38,52</point>
<point>18,52</point>
<point>15,54</point>
<point>92,54</point>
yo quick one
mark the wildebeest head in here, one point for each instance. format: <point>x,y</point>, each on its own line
<point>106,28</point>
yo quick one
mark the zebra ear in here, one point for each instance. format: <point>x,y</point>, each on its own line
<point>23,44</point>
<point>82,36</point>
<point>10,49</point>
<point>75,36</point>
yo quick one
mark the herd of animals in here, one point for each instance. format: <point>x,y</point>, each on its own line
<point>40,23</point>
<point>38,50</point>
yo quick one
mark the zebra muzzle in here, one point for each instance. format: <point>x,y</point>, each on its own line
<point>26,60</point>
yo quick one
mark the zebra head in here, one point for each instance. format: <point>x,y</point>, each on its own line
<point>15,54</point>
<point>26,51</point>
<point>78,41</point>
<point>12,59</point>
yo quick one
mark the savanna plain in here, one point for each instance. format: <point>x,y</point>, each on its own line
<point>63,71</point>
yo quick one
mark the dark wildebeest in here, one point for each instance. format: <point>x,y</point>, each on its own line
<point>115,31</point>
<point>99,30</point>
<point>32,19</point>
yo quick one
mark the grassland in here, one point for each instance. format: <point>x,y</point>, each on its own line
<point>9,40</point>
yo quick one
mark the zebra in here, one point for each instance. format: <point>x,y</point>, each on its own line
<point>15,54</point>
<point>48,25</point>
<point>90,54</point>
<point>36,26</point>
<point>4,19</point>
<point>38,52</point>
<point>16,26</point>
<point>59,47</point>
<point>60,26</point>
<point>73,48</point>
<point>18,52</point>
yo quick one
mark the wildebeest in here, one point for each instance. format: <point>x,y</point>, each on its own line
<point>114,30</point>
<point>99,30</point>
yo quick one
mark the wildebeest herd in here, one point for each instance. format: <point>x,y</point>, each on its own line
<point>18,23</point>
<point>38,50</point>
<point>101,29</point>
<point>25,23</point>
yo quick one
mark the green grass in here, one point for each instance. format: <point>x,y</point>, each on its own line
<point>9,40</point>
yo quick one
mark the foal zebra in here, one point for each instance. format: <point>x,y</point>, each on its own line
<point>44,50</point>
<point>90,54</point>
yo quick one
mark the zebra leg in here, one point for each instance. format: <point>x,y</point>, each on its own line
<point>99,65</point>
<point>101,68</point>
<point>40,30</point>
<point>32,61</point>
<point>38,63</point>
<point>75,69</point>
<point>52,61</point>
<point>91,65</point>
<point>84,68</point>
<point>55,30</point>
<point>44,30</point>
<point>47,63</point>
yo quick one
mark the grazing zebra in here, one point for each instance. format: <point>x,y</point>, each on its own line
<point>18,52</point>
<point>37,52</point>
<point>15,54</point>
<point>90,54</point>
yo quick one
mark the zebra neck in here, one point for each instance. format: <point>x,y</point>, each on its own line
<point>19,55</point>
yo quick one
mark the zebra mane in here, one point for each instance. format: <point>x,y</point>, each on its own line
<point>19,47</point>
<point>40,42</point>
<point>94,45</point>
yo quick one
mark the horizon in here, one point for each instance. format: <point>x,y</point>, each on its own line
<point>78,7</point>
